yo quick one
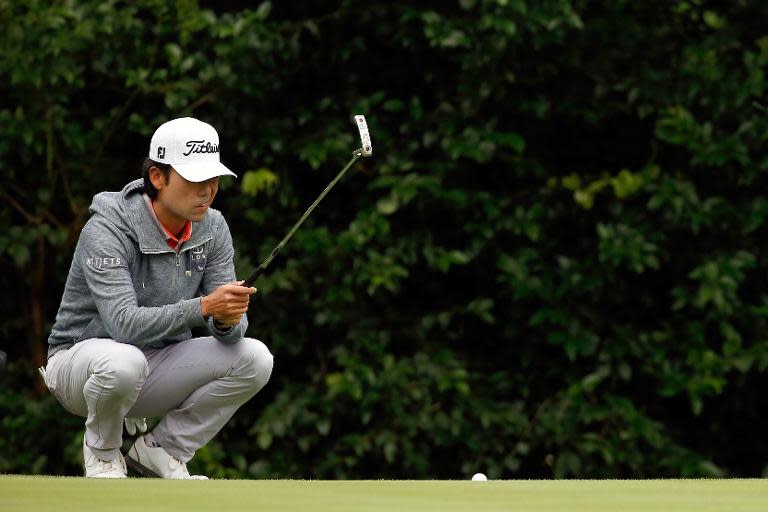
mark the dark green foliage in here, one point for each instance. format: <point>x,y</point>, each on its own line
<point>552,266</point>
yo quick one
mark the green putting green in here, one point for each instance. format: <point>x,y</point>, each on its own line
<point>60,494</point>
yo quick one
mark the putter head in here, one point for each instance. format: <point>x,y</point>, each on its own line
<point>365,137</point>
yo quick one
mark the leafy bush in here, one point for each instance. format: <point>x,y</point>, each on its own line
<point>551,266</point>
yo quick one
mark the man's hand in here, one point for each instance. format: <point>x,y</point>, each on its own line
<point>227,304</point>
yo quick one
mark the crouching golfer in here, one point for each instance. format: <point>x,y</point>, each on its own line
<point>152,262</point>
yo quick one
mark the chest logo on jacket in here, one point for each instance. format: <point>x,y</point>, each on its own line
<point>198,258</point>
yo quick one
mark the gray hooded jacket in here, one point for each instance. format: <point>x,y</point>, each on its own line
<point>126,284</point>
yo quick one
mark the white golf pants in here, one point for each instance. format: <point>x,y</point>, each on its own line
<point>195,386</point>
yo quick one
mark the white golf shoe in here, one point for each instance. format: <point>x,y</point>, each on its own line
<point>154,461</point>
<point>99,468</point>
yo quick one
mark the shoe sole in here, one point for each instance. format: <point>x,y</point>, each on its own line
<point>140,469</point>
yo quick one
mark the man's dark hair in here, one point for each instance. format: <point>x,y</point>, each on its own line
<point>149,188</point>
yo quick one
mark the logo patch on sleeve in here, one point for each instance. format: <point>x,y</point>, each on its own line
<point>97,262</point>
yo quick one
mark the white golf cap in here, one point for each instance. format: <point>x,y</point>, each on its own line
<point>191,147</point>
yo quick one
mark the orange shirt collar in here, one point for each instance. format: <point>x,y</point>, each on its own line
<point>174,242</point>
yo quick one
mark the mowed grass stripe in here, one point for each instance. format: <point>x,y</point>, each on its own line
<point>60,494</point>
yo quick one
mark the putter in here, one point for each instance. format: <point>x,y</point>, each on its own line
<point>140,468</point>
<point>366,150</point>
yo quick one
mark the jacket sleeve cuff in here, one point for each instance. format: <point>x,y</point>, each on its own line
<point>227,336</point>
<point>192,312</point>
<point>217,330</point>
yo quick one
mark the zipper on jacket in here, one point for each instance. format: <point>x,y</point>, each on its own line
<point>176,277</point>
<point>188,264</point>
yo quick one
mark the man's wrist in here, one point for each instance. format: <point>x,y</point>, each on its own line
<point>204,307</point>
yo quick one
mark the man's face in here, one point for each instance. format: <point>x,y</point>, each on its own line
<point>180,200</point>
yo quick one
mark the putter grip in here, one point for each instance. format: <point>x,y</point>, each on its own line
<point>256,273</point>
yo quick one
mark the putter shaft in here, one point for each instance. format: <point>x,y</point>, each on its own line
<point>264,264</point>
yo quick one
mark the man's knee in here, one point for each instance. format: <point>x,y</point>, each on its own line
<point>123,370</point>
<point>257,362</point>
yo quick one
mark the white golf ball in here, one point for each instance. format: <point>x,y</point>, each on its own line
<point>479,477</point>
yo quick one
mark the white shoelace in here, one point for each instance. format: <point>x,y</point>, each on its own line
<point>111,465</point>
<point>106,465</point>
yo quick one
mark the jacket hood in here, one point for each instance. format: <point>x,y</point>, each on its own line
<point>127,211</point>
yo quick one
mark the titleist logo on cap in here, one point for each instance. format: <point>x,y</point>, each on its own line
<point>201,146</point>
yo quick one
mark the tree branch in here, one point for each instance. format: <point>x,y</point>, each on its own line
<point>32,219</point>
